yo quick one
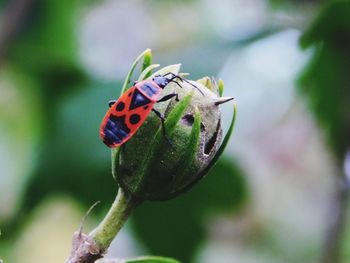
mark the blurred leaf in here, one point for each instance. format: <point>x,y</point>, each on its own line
<point>46,47</point>
<point>74,160</point>
<point>326,79</point>
<point>184,218</point>
<point>289,4</point>
<point>332,25</point>
<point>20,133</point>
<point>48,35</point>
<point>40,239</point>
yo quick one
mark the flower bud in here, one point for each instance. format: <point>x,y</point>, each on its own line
<point>152,167</point>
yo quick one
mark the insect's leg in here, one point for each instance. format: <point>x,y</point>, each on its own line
<point>162,119</point>
<point>176,83</point>
<point>111,102</point>
<point>169,96</point>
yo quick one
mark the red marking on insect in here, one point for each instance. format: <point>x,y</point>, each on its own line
<point>128,113</point>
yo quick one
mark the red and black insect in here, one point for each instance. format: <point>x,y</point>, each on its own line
<point>127,114</point>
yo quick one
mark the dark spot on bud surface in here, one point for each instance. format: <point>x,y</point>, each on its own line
<point>188,119</point>
<point>211,142</point>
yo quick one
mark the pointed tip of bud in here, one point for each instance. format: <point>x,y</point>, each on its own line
<point>222,100</point>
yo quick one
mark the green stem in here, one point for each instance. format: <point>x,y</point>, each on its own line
<point>106,231</point>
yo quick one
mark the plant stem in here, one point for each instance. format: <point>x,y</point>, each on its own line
<point>88,248</point>
<point>106,231</point>
<point>337,222</point>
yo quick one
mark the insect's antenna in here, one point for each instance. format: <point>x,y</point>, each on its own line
<point>185,80</point>
<point>175,82</point>
<point>169,73</point>
<point>174,76</point>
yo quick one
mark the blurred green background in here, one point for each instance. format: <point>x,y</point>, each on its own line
<point>279,193</point>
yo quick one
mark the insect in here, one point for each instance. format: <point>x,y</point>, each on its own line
<point>127,114</point>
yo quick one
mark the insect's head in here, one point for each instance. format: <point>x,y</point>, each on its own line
<point>161,81</point>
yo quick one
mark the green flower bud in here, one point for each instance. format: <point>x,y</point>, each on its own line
<point>148,166</point>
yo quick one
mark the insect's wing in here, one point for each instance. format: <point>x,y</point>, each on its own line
<point>136,117</point>
<point>113,130</point>
<point>125,117</point>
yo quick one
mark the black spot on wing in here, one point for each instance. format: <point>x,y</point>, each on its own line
<point>120,106</point>
<point>138,100</point>
<point>134,118</point>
